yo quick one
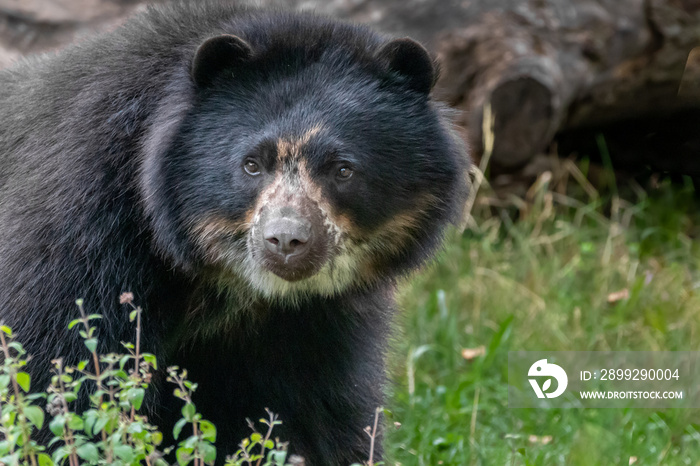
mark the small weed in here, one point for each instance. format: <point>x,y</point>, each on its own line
<point>111,431</point>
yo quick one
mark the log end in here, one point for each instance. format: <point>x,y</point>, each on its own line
<point>523,110</point>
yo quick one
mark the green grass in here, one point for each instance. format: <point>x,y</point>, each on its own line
<point>542,283</point>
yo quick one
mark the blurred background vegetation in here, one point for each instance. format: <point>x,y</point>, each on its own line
<point>568,267</point>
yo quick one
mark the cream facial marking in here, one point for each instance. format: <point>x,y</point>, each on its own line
<point>293,148</point>
<point>215,234</point>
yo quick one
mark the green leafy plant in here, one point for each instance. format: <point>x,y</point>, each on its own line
<point>112,431</point>
<point>20,415</point>
<point>198,447</point>
<point>259,449</point>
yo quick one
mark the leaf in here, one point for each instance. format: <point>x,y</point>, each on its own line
<point>73,323</point>
<point>45,460</point>
<point>178,427</point>
<point>75,422</point>
<point>24,380</point>
<point>183,456</point>
<point>618,296</point>
<point>190,443</point>
<point>546,385</point>
<point>132,315</point>
<point>82,365</point>
<point>123,360</point>
<point>4,381</point>
<point>100,424</point>
<point>150,359</point>
<point>6,330</point>
<point>35,415</point>
<point>418,352</point>
<point>89,452</point>
<point>277,457</point>
<point>10,459</point>
<point>209,453</point>
<point>90,418</point>
<point>502,335</point>
<point>208,431</point>
<point>134,428</point>
<point>188,411</point>
<point>17,346</point>
<point>91,344</point>
<point>256,437</point>
<point>472,353</point>
<point>124,452</point>
<point>156,438</point>
<point>56,425</point>
<point>136,397</point>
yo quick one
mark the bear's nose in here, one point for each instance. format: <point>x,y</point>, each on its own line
<point>287,237</point>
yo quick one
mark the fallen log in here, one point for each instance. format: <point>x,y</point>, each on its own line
<point>564,70</point>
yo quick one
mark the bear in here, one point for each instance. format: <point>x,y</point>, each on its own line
<point>260,180</point>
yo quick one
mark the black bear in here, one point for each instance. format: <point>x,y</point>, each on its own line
<point>258,179</point>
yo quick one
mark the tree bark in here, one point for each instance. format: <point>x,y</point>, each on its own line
<point>583,71</point>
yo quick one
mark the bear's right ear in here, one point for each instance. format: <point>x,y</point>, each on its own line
<point>410,60</point>
<point>216,55</point>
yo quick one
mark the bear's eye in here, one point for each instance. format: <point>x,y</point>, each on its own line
<point>344,172</point>
<point>251,167</point>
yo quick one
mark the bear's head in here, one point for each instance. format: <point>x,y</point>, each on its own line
<point>308,160</point>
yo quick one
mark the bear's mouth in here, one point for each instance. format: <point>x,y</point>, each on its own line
<point>291,274</point>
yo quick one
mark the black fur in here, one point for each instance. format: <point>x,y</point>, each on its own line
<point>109,150</point>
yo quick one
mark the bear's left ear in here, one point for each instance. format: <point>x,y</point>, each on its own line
<point>218,54</point>
<point>409,59</point>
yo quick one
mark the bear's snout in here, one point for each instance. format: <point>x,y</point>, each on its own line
<point>288,237</point>
<point>293,246</point>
